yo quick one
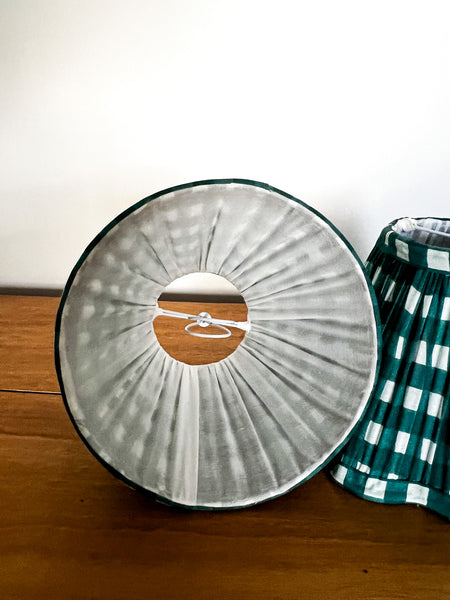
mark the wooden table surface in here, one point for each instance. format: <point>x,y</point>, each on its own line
<point>70,530</point>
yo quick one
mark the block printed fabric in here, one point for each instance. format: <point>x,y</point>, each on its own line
<point>400,451</point>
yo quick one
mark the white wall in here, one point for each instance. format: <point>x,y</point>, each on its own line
<point>103,102</point>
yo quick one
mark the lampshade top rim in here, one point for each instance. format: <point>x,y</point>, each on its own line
<point>419,248</point>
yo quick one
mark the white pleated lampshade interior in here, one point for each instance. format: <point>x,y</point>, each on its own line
<point>257,423</point>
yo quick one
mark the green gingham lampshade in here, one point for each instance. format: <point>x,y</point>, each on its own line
<point>265,418</point>
<point>400,451</point>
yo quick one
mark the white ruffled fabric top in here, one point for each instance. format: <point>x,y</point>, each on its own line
<point>262,420</point>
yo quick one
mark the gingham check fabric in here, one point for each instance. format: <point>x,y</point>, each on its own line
<point>400,451</point>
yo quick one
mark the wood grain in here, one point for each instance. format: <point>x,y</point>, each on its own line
<point>26,343</point>
<point>69,529</point>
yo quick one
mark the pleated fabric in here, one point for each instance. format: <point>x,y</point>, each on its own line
<point>400,451</point>
<point>264,419</point>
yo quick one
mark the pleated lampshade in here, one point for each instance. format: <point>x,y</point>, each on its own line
<point>400,451</point>
<point>265,418</point>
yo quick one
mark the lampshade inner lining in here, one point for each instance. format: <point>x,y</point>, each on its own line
<point>440,236</point>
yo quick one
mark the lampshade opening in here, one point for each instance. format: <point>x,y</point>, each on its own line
<point>195,317</point>
<point>428,231</point>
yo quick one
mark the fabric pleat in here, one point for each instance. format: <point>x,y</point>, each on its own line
<point>400,452</point>
<point>264,419</point>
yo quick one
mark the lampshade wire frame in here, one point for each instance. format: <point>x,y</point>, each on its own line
<point>227,333</point>
<point>204,319</point>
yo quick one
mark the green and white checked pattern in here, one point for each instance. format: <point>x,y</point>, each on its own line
<point>420,248</point>
<point>400,451</point>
